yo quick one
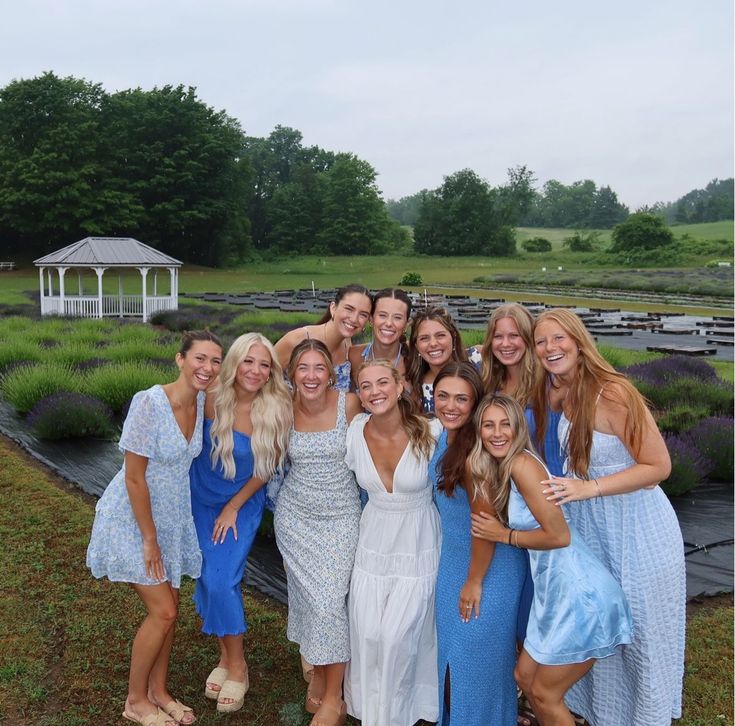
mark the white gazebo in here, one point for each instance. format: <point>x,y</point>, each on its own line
<point>101,254</point>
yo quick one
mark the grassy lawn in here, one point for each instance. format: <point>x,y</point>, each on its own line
<point>64,644</point>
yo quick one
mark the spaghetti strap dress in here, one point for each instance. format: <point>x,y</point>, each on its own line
<point>479,656</point>
<point>637,537</point>
<point>392,675</point>
<point>579,611</point>
<point>116,546</point>
<point>218,592</point>
<point>316,522</point>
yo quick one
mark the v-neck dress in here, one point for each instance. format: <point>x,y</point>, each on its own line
<point>391,679</point>
<point>116,546</point>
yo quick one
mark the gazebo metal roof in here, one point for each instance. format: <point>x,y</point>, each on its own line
<point>108,252</point>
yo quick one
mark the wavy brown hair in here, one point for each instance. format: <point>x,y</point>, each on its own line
<point>341,292</point>
<point>593,375</point>
<point>416,366</point>
<point>490,477</point>
<point>414,424</point>
<point>494,372</point>
<point>454,461</point>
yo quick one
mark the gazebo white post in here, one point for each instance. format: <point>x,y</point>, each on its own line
<point>119,294</point>
<point>174,293</point>
<point>155,283</point>
<point>62,304</point>
<point>42,285</point>
<point>100,271</point>
<point>144,273</point>
<point>79,280</point>
<point>50,285</point>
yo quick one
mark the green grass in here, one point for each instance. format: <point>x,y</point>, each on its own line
<point>65,640</point>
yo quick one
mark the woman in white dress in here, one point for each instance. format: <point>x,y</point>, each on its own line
<point>392,676</point>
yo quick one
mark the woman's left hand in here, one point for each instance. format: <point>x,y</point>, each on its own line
<point>561,491</point>
<point>485,526</point>
<point>227,520</point>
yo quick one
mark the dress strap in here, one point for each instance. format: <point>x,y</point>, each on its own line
<point>367,352</point>
<point>540,461</point>
<point>599,395</point>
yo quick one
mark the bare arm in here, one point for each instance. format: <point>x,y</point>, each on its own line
<point>227,518</point>
<point>552,532</point>
<point>140,501</point>
<point>652,462</point>
<point>481,555</point>
<point>286,344</point>
<point>352,406</point>
<point>354,355</point>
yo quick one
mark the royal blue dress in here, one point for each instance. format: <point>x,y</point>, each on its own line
<point>218,593</point>
<point>479,655</point>
<point>551,449</point>
<point>579,610</point>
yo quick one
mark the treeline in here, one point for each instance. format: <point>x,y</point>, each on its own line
<point>164,167</point>
<point>714,203</point>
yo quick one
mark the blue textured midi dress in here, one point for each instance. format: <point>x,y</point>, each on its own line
<point>479,655</point>
<point>637,537</point>
<point>579,610</point>
<point>218,593</point>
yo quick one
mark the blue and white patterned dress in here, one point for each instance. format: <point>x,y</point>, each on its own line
<point>637,537</point>
<point>317,518</point>
<point>116,546</point>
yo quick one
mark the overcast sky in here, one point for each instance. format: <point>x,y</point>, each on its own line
<point>634,94</point>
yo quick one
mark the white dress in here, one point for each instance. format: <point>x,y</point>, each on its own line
<point>392,678</point>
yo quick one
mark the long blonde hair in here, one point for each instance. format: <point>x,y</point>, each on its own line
<point>490,477</point>
<point>271,413</point>
<point>414,424</point>
<point>494,372</point>
<point>594,374</point>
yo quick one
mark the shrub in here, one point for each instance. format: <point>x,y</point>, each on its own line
<point>681,418</point>
<point>579,242</point>
<point>411,278</point>
<point>140,350</point>
<point>25,386</point>
<point>72,353</point>
<point>641,231</point>
<point>117,383</point>
<point>688,466</point>
<point>536,244</point>
<point>70,416</point>
<point>672,368</point>
<point>716,397</point>
<point>15,351</point>
<point>713,437</point>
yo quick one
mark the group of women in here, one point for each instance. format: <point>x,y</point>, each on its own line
<point>511,529</point>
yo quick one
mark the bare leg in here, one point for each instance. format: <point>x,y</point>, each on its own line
<point>549,685</point>
<point>234,660</point>
<point>149,644</point>
<point>334,674</point>
<point>525,672</point>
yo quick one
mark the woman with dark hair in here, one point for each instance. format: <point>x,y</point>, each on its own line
<point>479,584</point>
<point>390,317</point>
<point>346,316</point>
<point>316,522</point>
<point>615,459</point>
<point>246,425</point>
<point>579,613</point>
<point>143,531</point>
<point>391,678</point>
<point>434,341</point>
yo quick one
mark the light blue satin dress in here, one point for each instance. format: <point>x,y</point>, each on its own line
<point>579,610</point>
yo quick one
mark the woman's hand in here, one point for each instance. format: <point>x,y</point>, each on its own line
<point>227,520</point>
<point>561,491</point>
<point>485,526</point>
<point>469,600</point>
<point>153,560</point>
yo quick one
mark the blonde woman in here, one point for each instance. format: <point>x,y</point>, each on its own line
<point>615,459</point>
<point>247,419</point>
<point>579,613</point>
<point>392,675</point>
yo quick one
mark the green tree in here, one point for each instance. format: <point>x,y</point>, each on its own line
<point>641,232</point>
<point>406,210</point>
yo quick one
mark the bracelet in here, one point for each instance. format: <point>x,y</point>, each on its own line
<point>597,484</point>
<point>515,543</point>
<point>510,534</point>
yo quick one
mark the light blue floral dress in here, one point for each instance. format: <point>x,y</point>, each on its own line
<point>116,546</point>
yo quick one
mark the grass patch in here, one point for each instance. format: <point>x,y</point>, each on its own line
<point>25,386</point>
<point>66,636</point>
<point>117,383</point>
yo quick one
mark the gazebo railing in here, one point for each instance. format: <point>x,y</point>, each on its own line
<point>87,306</point>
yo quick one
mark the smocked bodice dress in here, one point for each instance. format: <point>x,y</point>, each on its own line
<point>637,537</point>
<point>116,546</point>
<point>218,592</point>
<point>316,522</point>
<point>479,656</point>
<point>392,676</point>
<point>579,611</point>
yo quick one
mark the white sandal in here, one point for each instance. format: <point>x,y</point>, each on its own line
<point>233,690</point>
<point>217,677</point>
